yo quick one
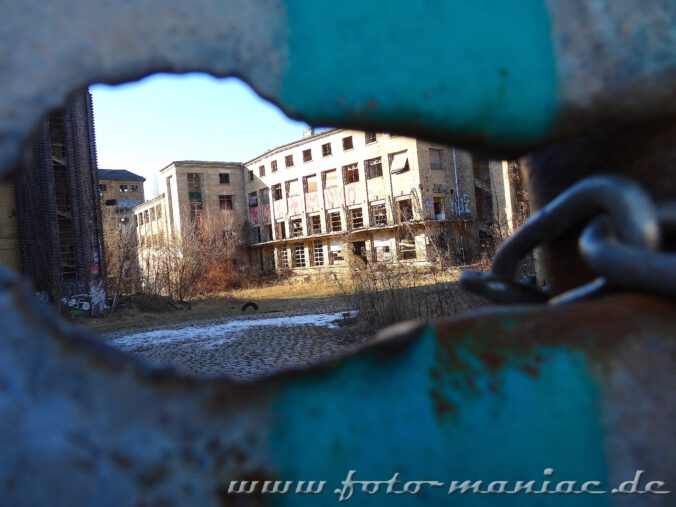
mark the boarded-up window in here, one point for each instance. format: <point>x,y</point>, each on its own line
<point>292,188</point>
<point>310,183</point>
<point>435,159</point>
<point>399,163</point>
<point>330,178</point>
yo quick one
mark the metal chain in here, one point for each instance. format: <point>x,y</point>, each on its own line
<point>619,243</point>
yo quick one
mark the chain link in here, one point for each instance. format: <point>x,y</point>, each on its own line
<point>619,243</point>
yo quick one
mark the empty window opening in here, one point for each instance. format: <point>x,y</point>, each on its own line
<point>407,248</point>
<point>277,192</point>
<point>224,178</point>
<point>225,202</point>
<point>405,209</point>
<point>347,143</point>
<point>326,150</point>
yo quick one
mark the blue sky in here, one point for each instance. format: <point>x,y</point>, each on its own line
<point>145,125</point>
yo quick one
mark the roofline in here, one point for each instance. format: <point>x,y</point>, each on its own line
<point>286,146</point>
<point>200,162</point>
<point>136,177</point>
<point>149,201</point>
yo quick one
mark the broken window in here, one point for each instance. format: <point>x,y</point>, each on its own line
<point>124,188</point>
<point>435,159</point>
<point>307,155</point>
<point>194,188</point>
<point>299,255</point>
<point>288,161</point>
<point>407,248</point>
<point>225,202</point>
<point>357,218</point>
<point>347,143</point>
<point>277,192</point>
<point>280,229</point>
<point>102,188</point>
<point>296,227</point>
<point>283,258</point>
<point>334,222</point>
<point>378,214</point>
<point>351,173</point>
<point>134,188</point>
<point>399,163</point>
<point>326,149</point>
<point>315,223</point>
<point>261,170</point>
<point>370,137</point>
<point>336,254</point>
<point>224,178</point>
<point>373,168</point>
<point>330,178</point>
<point>310,183</point>
<point>382,248</point>
<point>405,210</point>
<point>292,188</point>
<point>273,166</point>
<point>318,253</point>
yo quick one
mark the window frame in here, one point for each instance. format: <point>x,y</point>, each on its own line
<point>368,167</point>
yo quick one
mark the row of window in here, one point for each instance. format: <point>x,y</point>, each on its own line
<point>103,187</point>
<point>149,215</point>
<point>327,151</point>
<point>334,220</point>
<point>380,253</point>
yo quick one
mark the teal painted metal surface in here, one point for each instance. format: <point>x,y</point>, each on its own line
<point>485,69</point>
<point>428,416</point>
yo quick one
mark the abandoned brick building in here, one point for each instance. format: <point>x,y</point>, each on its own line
<point>51,228</point>
<point>307,204</point>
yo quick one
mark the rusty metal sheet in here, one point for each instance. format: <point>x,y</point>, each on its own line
<point>586,390</point>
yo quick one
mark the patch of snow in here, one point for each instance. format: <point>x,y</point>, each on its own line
<point>213,335</point>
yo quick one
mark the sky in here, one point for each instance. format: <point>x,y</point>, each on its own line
<point>145,125</point>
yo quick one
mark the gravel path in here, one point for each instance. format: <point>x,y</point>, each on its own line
<point>247,346</point>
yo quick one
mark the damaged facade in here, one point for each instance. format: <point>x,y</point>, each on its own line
<point>59,240</point>
<point>309,204</point>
